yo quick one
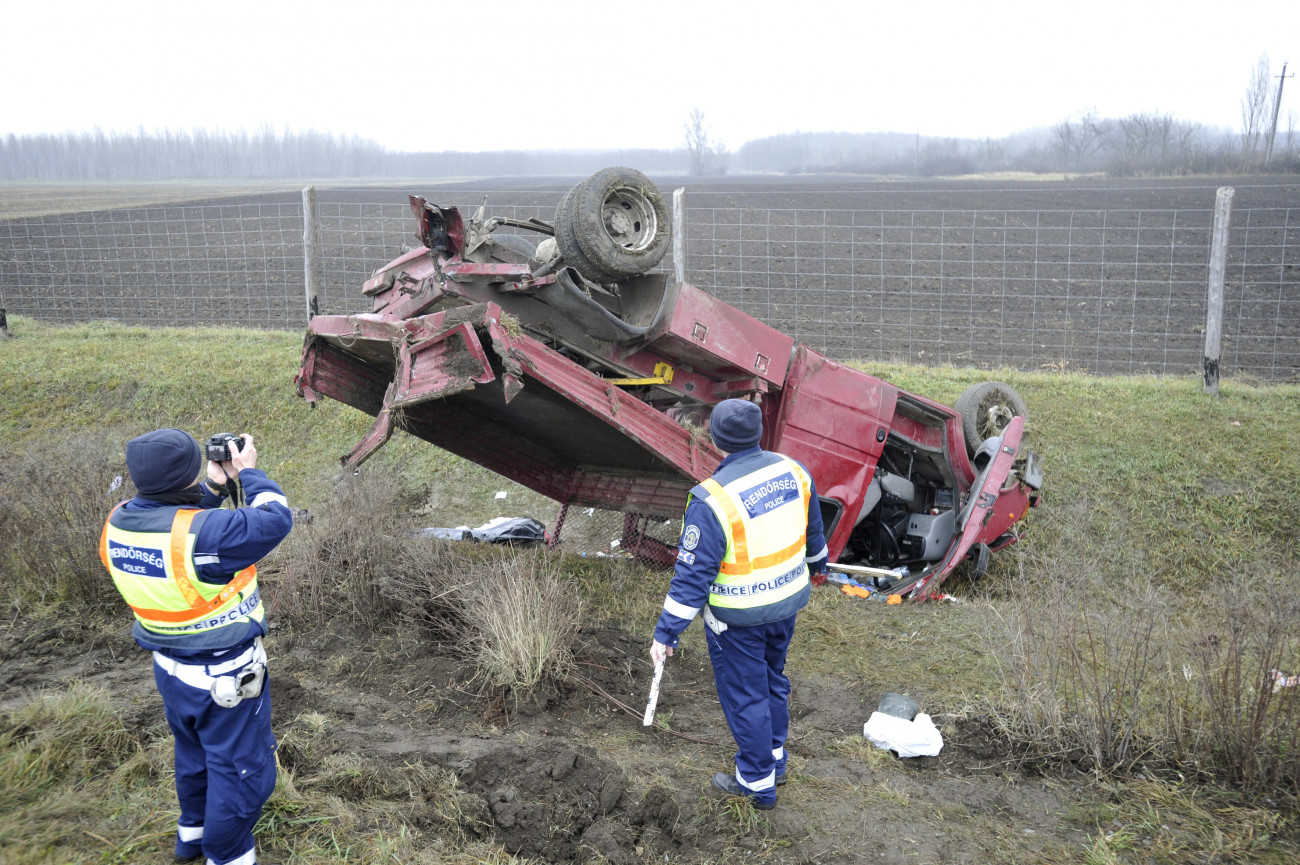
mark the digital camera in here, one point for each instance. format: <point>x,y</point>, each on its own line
<point>218,447</point>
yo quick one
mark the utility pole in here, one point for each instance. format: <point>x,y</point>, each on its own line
<point>1277,105</point>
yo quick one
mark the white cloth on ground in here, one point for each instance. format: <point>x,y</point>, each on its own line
<point>916,738</point>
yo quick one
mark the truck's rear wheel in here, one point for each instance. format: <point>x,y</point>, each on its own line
<point>612,226</point>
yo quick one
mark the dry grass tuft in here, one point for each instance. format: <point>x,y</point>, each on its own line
<point>525,616</point>
<point>1104,668</point>
<point>1079,651</point>
<point>359,556</point>
<point>1228,715</point>
<point>58,733</point>
<point>355,555</point>
<point>1144,820</point>
<point>53,503</point>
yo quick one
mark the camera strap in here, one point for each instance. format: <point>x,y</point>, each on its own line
<point>232,487</point>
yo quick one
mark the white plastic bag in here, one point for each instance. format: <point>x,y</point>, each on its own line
<point>916,738</point>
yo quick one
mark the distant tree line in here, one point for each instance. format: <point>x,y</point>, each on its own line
<point>453,163</point>
<point>891,153</point>
<point>1133,146</point>
<point>1138,145</point>
<point>103,155</point>
<point>201,153</point>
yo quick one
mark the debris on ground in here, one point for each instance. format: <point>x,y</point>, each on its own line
<point>1282,680</point>
<point>502,530</point>
<point>898,725</point>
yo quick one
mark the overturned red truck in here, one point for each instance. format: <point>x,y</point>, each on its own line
<point>577,370</point>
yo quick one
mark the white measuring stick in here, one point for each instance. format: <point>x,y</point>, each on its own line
<point>654,695</point>
<point>863,569</point>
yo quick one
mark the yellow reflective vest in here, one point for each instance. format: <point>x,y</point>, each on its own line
<point>150,555</point>
<point>764,515</point>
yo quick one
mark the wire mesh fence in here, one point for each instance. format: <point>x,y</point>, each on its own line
<point>199,264</point>
<point>595,533</point>
<point>1118,291</point>
<point>1091,290</point>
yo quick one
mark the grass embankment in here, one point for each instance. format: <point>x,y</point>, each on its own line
<point>1131,632</point>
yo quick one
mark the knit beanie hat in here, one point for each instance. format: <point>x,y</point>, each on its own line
<point>163,461</point>
<point>736,425</point>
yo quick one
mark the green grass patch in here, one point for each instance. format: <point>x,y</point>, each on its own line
<point>116,381</point>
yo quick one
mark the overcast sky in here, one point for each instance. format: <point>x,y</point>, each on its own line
<point>533,74</point>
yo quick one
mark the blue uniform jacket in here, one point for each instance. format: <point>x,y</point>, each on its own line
<point>228,541</point>
<point>697,568</point>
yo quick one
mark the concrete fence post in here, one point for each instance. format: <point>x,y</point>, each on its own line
<point>679,234</point>
<point>311,266</point>
<point>1214,304</point>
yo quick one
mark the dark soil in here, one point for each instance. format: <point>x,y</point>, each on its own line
<point>566,775</point>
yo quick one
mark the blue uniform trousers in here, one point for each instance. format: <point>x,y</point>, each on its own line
<point>225,769</point>
<point>749,672</point>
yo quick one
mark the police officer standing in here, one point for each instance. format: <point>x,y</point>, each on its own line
<point>749,536</point>
<point>186,567</point>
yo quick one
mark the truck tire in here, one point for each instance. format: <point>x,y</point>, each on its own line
<point>985,410</point>
<point>570,251</point>
<point>614,225</point>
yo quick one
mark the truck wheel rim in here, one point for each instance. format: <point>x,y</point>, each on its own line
<point>629,218</point>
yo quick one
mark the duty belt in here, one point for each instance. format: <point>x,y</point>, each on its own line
<point>226,690</point>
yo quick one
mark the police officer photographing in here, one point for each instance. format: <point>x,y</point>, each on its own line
<point>186,567</point>
<point>749,536</point>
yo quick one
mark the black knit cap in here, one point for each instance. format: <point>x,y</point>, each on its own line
<point>736,425</point>
<point>163,461</point>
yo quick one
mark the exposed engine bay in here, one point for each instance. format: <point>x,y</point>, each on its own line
<point>908,512</point>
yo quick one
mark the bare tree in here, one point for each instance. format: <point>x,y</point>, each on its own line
<point>1076,140</point>
<point>707,156</point>
<point>991,154</point>
<point>1254,111</point>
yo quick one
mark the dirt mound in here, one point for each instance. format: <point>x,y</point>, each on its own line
<point>544,799</point>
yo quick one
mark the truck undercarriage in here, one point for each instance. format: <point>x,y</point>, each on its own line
<point>573,369</point>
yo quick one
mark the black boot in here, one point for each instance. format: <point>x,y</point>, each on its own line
<point>724,783</point>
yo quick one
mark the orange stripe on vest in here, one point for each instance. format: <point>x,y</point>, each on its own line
<point>740,544</point>
<point>198,607</point>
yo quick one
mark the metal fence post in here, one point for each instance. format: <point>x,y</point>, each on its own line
<point>311,251</point>
<point>679,231</point>
<point>1214,304</point>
